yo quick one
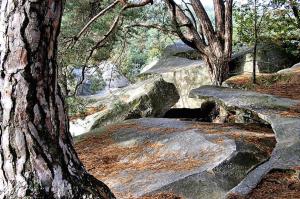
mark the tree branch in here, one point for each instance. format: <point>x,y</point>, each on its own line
<point>219,8</point>
<point>190,12</point>
<point>228,28</point>
<point>205,22</point>
<point>112,29</point>
<point>191,38</point>
<point>114,25</point>
<point>111,6</point>
<point>102,12</point>
<point>152,26</point>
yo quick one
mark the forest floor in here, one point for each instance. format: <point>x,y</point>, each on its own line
<point>283,85</point>
<point>101,154</point>
<point>277,184</point>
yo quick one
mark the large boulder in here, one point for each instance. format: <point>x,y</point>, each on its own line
<point>281,113</point>
<point>294,68</point>
<point>271,58</point>
<point>106,73</point>
<point>112,77</point>
<point>91,74</point>
<point>181,66</point>
<point>150,98</point>
<point>191,159</point>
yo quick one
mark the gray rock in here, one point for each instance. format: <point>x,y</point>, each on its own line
<point>177,49</point>
<point>112,76</point>
<point>181,66</point>
<point>295,67</point>
<point>270,109</point>
<point>170,64</point>
<point>106,72</point>
<point>182,157</point>
<point>85,88</point>
<point>270,58</point>
<point>150,98</point>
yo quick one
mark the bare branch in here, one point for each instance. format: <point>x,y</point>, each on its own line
<point>111,6</point>
<point>152,26</point>
<point>136,5</point>
<point>179,19</point>
<point>228,28</point>
<point>190,12</point>
<point>206,24</point>
<point>81,80</point>
<point>112,29</point>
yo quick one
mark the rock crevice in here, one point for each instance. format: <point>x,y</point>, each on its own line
<point>281,113</point>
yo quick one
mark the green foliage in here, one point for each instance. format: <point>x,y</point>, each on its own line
<point>77,106</point>
<point>97,83</point>
<point>130,48</point>
<point>276,24</point>
<point>140,50</point>
<point>77,13</point>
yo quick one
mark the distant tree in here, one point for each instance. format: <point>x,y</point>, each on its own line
<point>275,22</point>
<point>255,35</point>
<point>259,21</point>
<point>212,40</point>
<point>37,157</point>
<point>294,5</point>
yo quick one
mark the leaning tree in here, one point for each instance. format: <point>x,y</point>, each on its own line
<point>212,40</point>
<point>37,158</point>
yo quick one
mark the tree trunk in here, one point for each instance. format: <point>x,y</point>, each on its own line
<point>37,158</point>
<point>255,43</point>
<point>218,68</point>
<point>214,43</point>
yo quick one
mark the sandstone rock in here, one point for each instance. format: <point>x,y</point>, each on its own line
<point>107,73</point>
<point>191,159</point>
<point>281,113</point>
<point>270,58</point>
<point>294,68</point>
<point>112,77</point>
<point>150,98</point>
<point>181,66</point>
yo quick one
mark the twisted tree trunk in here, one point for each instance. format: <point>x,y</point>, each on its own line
<point>214,43</point>
<point>37,158</point>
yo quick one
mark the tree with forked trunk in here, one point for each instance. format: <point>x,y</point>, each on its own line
<point>195,28</point>
<point>37,158</point>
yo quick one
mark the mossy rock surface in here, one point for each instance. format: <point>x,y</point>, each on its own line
<point>149,98</point>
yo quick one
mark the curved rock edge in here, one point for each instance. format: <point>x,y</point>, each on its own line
<point>286,154</point>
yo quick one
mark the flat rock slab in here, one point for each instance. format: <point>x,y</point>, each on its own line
<point>146,156</point>
<point>281,113</point>
<point>172,64</point>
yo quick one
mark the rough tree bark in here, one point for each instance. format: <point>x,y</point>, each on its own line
<point>37,158</point>
<point>213,43</point>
